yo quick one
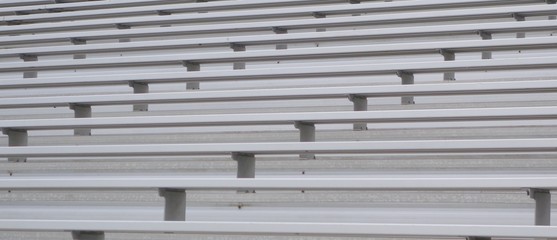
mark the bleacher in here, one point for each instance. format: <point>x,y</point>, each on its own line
<point>278,119</point>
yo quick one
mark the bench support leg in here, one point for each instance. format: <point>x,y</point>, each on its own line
<point>16,138</point>
<point>278,30</point>
<point>519,18</point>
<point>246,167</point>
<point>81,111</point>
<point>307,134</point>
<point>123,27</point>
<point>77,41</point>
<point>174,204</point>
<point>478,238</point>
<point>87,235</point>
<point>486,36</point>
<point>448,56</point>
<point>139,88</point>
<point>406,78</point>
<point>192,67</point>
<point>543,206</point>
<point>29,58</point>
<point>360,104</point>
<point>238,48</point>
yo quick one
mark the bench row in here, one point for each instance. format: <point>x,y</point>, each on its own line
<point>244,5</point>
<point>278,26</point>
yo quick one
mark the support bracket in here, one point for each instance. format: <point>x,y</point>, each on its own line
<point>16,138</point>
<point>238,48</point>
<point>81,111</point>
<point>360,104</point>
<point>246,167</point>
<point>448,56</point>
<point>307,134</point>
<point>139,88</point>
<point>192,67</point>
<point>407,78</point>
<point>174,204</point>
<point>543,205</point>
<point>87,235</point>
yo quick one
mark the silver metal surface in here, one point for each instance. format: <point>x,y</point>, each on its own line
<point>373,147</point>
<point>303,53</point>
<point>425,16</point>
<point>293,72</point>
<point>290,229</point>
<point>392,116</point>
<point>482,88</point>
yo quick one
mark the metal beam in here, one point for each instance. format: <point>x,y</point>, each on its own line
<point>356,147</point>
<point>293,72</point>
<point>491,88</point>
<point>424,16</point>
<point>504,27</point>
<point>239,56</point>
<point>285,229</point>
<point>305,122</point>
<point>282,183</point>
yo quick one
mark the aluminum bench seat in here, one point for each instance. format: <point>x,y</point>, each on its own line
<point>242,5</point>
<point>453,89</point>
<point>293,54</point>
<point>500,115</point>
<point>434,30</point>
<point>291,72</point>
<point>286,229</point>
<point>274,148</point>
<point>423,16</point>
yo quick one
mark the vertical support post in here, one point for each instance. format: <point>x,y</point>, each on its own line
<point>279,30</point>
<point>81,111</point>
<point>478,238</point>
<point>77,41</point>
<point>122,26</point>
<point>360,104</point>
<point>238,48</point>
<point>406,78</point>
<point>246,167</point>
<point>16,138</point>
<point>319,15</point>
<point>139,88</point>
<point>192,67</point>
<point>307,134</point>
<point>174,204</point>
<point>551,2</point>
<point>519,18</point>
<point>29,58</point>
<point>448,56</point>
<point>543,206</point>
<point>164,13</point>
<point>87,235</point>
<point>486,36</point>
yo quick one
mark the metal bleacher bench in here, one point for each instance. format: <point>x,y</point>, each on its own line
<point>73,27</point>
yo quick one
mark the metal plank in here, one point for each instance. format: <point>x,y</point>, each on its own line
<point>369,147</point>
<point>423,16</point>
<point>393,116</point>
<point>277,184</point>
<point>295,72</point>
<point>285,229</point>
<point>246,4</point>
<point>502,27</point>
<point>514,87</point>
<point>293,54</point>
<point>90,8</point>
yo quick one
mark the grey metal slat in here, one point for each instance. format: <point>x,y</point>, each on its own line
<point>287,229</point>
<point>423,16</point>
<point>294,72</point>
<point>293,54</point>
<point>273,148</point>
<point>393,116</point>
